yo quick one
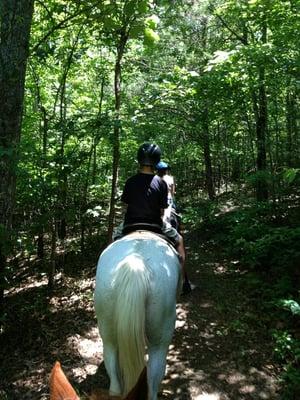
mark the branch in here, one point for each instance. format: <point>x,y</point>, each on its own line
<point>235,34</point>
<point>224,23</point>
<point>60,25</point>
<point>41,3</point>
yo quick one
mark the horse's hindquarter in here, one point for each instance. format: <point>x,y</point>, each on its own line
<point>161,262</point>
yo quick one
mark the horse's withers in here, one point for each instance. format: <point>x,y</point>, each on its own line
<point>138,278</point>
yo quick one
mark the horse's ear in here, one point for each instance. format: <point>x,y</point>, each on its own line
<point>60,387</point>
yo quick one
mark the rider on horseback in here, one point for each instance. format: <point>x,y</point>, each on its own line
<point>146,196</point>
<point>170,213</point>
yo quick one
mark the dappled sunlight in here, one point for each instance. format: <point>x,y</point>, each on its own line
<point>207,396</point>
<point>89,346</point>
<point>30,282</point>
<point>220,268</point>
<point>181,315</point>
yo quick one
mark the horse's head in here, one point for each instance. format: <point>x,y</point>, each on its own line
<point>61,389</point>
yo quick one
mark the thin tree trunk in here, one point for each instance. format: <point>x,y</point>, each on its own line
<point>41,228</point>
<point>96,137</point>
<point>62,231</point>
<point>15,23</point>
<point>52,265</point>
<point>261,128</point>
<point>291,128</point>
<point>117,129</point>
<point>209,183</point>
<point>84,203</point>
<point>277,157</point>
<point>261,131</point>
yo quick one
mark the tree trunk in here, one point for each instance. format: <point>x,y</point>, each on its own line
<point>63,175</point>
<point>291,128</point>
<point>261,131</point>
<point>261,108</point>
<point>209,183</point>
<point>96,137</point>
<point>42,211</point>
<point>40,243</point>
<point>117,129</point>
<point>52,264</point>
<point>15,23</point>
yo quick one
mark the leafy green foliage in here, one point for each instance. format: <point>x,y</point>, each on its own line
<point>290,305</point>
<point>287,350</point>
<point>263,251</point>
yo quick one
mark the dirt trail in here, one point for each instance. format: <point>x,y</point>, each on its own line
<point>220,351</point>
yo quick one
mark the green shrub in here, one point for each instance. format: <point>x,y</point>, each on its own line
<point>287,351</point>
<point>277,249</point>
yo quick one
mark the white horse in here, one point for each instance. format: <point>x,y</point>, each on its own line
<point>137,283</point>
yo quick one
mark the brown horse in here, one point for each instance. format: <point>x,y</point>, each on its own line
<point>61,389</point>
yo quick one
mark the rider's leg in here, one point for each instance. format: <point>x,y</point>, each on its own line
<point>181,250</point>
<point>171,233</point>
<point>186,287</point>
<point>118,231</point>
<point>177,239</point>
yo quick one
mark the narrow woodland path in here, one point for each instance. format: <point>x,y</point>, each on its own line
<point>220,351</point>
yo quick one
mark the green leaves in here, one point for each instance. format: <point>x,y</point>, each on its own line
<point>130,7</point>
<point>150,37</point>
<point>219,57</point>
<point>290,305</point>
<point>290,175</point>
<point>152,21</point>
<point>146,28</point>
<point>137,30</point>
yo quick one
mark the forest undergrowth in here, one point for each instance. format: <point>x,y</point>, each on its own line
<point>237,333</point>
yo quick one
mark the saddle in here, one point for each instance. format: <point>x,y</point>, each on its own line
<point>141,226</point>
<point>154,228</point>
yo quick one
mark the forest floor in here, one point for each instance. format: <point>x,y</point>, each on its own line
<point>221,348</point>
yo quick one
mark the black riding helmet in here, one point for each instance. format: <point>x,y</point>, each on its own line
<point>149,154</point>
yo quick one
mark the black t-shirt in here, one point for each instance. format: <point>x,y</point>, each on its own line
<point>145,195</point>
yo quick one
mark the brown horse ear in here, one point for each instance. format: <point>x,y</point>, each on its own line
<point>60,387</point>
